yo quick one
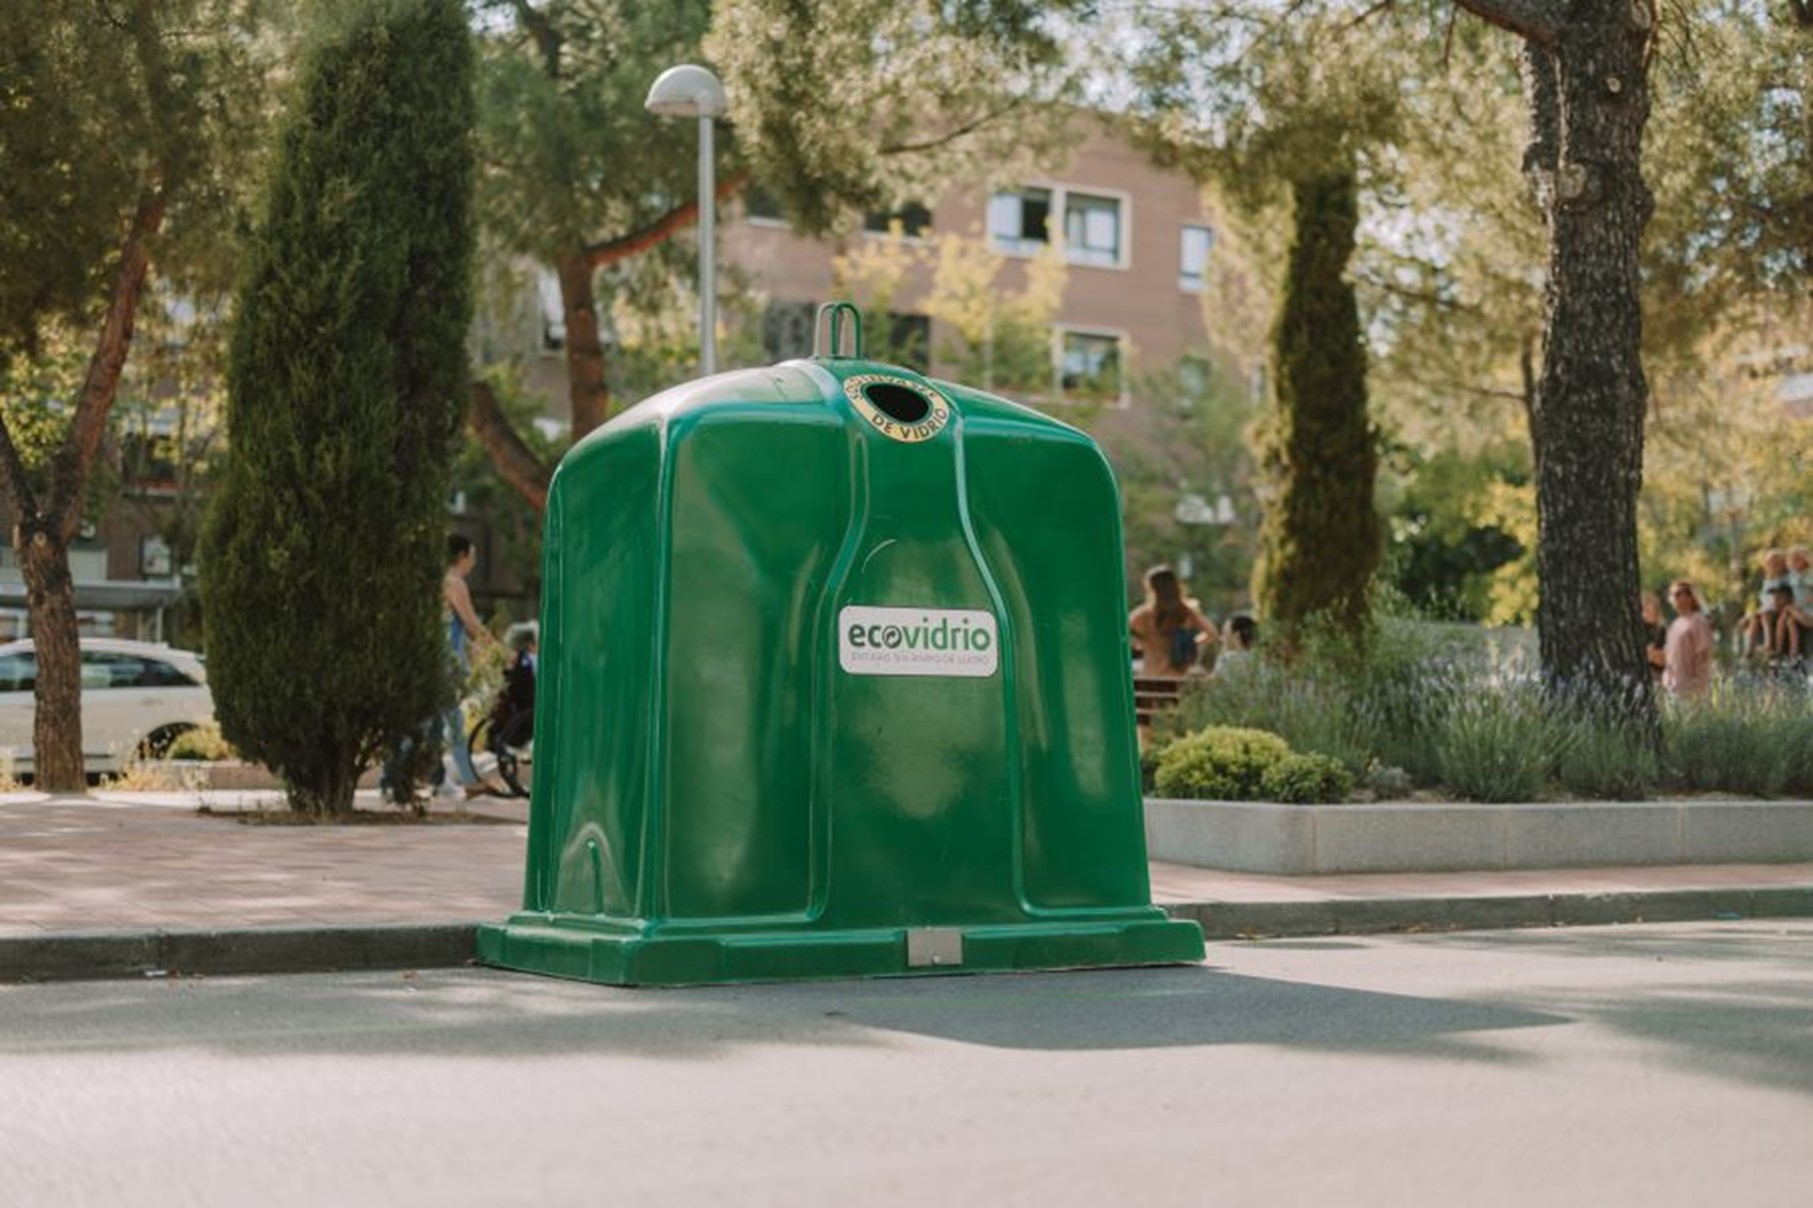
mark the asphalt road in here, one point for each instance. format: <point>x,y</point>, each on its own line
<point>1646,1065</point>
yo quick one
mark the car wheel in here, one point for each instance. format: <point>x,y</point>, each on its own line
<point>157,744</point>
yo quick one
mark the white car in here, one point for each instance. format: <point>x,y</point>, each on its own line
<point>136,698</point>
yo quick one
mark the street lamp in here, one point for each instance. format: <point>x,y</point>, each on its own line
<point>690,91</point>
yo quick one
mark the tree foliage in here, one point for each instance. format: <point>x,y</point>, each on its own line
<point>346,378</point>
<point>1193,449</point>
<point>1732,156</point>
<point>1320,540</point>
<point>846,106</point>
<point>116,121</point>
<point>1255,96</point>
<point>576,175</point>
<point>1302,103</point>
<point>1448,282</point>
<point>835,107</point>
<point>996,312</point>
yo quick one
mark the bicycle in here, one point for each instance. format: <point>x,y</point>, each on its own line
<point>511,743</point>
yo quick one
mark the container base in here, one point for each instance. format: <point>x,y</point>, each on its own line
<point>612,953</point>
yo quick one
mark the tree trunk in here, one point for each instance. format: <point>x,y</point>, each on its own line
<point>514,461</point>
<point>57,765</point>
<point>330,797</point>
<point>1591,396</point>
<point>43,530</point>
<point>588,395</point>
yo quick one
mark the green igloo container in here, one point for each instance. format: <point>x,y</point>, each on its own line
<point>834,682</point>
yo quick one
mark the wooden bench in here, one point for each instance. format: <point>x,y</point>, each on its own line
<point>1153,694</point>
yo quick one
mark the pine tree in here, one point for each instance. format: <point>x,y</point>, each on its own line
<point>1320,541</point>
<point>346,379</point>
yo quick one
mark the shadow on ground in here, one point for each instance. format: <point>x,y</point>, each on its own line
<point>1752,1029</point>
<point>484,1013</point>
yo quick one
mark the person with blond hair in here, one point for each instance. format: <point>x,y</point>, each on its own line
<point>1758,628</point>
<point>1687,654</point>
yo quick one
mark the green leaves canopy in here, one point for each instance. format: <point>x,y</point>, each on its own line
<point>843,106</point>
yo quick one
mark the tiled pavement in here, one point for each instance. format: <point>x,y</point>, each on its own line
<point>116,861</point>
<point>123,865</point>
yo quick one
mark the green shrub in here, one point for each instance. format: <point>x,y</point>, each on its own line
<point>1450,707</point>
<point>1388,783</point>
<point>1495,747</point>
<point>1608,761</point>
<point>1404,700</point>
<point>1799,742</point>
<point>203,742</point>
<point>1736,743</point>
<point>1306,780</point>
<point>1308,707</point>
<point>1221,763</point>
<point>1602,747</point>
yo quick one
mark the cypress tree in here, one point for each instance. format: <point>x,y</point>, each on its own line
<point>1320,540</point>
<point>323,551</point>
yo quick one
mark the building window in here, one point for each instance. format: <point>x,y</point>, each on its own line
<point>914,219</point>
<point>553,313</point>
<point>1089,366</point>
<point>153,557</point>
<point>1092,229</point>
<point>1020,222</point>
<point>759,205</point>
<point>1093,226</point>
<point>1193,258</point>
<point>787,330</point>
<point>910,341</point>
<point>148,458</point>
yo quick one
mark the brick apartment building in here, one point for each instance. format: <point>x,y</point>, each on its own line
<point>1135,240</point>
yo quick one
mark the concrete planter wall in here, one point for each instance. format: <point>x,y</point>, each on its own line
<point>1305,839</point>
<point>231,774</point>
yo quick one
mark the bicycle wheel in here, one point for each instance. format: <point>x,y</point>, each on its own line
<point>481,743</point>
<point>514,745</point>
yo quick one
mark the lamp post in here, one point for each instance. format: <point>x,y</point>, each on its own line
<point>691,91</point>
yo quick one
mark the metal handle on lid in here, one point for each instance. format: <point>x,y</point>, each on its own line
<point>837,311</point>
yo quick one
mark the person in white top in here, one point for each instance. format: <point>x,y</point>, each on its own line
<point>1758,627</point>
<point>1793,609</point>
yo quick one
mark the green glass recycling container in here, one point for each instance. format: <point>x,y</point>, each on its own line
<point>834,681</point>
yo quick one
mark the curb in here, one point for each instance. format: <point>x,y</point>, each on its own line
<point>87,955</point>
<point>80,956</point>
<point>1373,916</point>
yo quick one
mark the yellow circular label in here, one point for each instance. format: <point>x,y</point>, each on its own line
<point>937,412</point>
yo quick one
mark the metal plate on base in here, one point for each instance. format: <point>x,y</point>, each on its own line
<point>928,946</point>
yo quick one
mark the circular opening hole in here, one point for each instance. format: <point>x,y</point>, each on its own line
<point>899,402</point>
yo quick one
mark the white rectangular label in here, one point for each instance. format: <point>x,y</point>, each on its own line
<point>916,641</point>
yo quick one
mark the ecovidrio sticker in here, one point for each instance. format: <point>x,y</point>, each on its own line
<point>917,641</point>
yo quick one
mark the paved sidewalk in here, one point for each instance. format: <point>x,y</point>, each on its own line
<point>115,884</point>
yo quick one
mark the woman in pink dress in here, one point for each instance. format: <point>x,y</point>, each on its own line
<point>1687,655</point>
